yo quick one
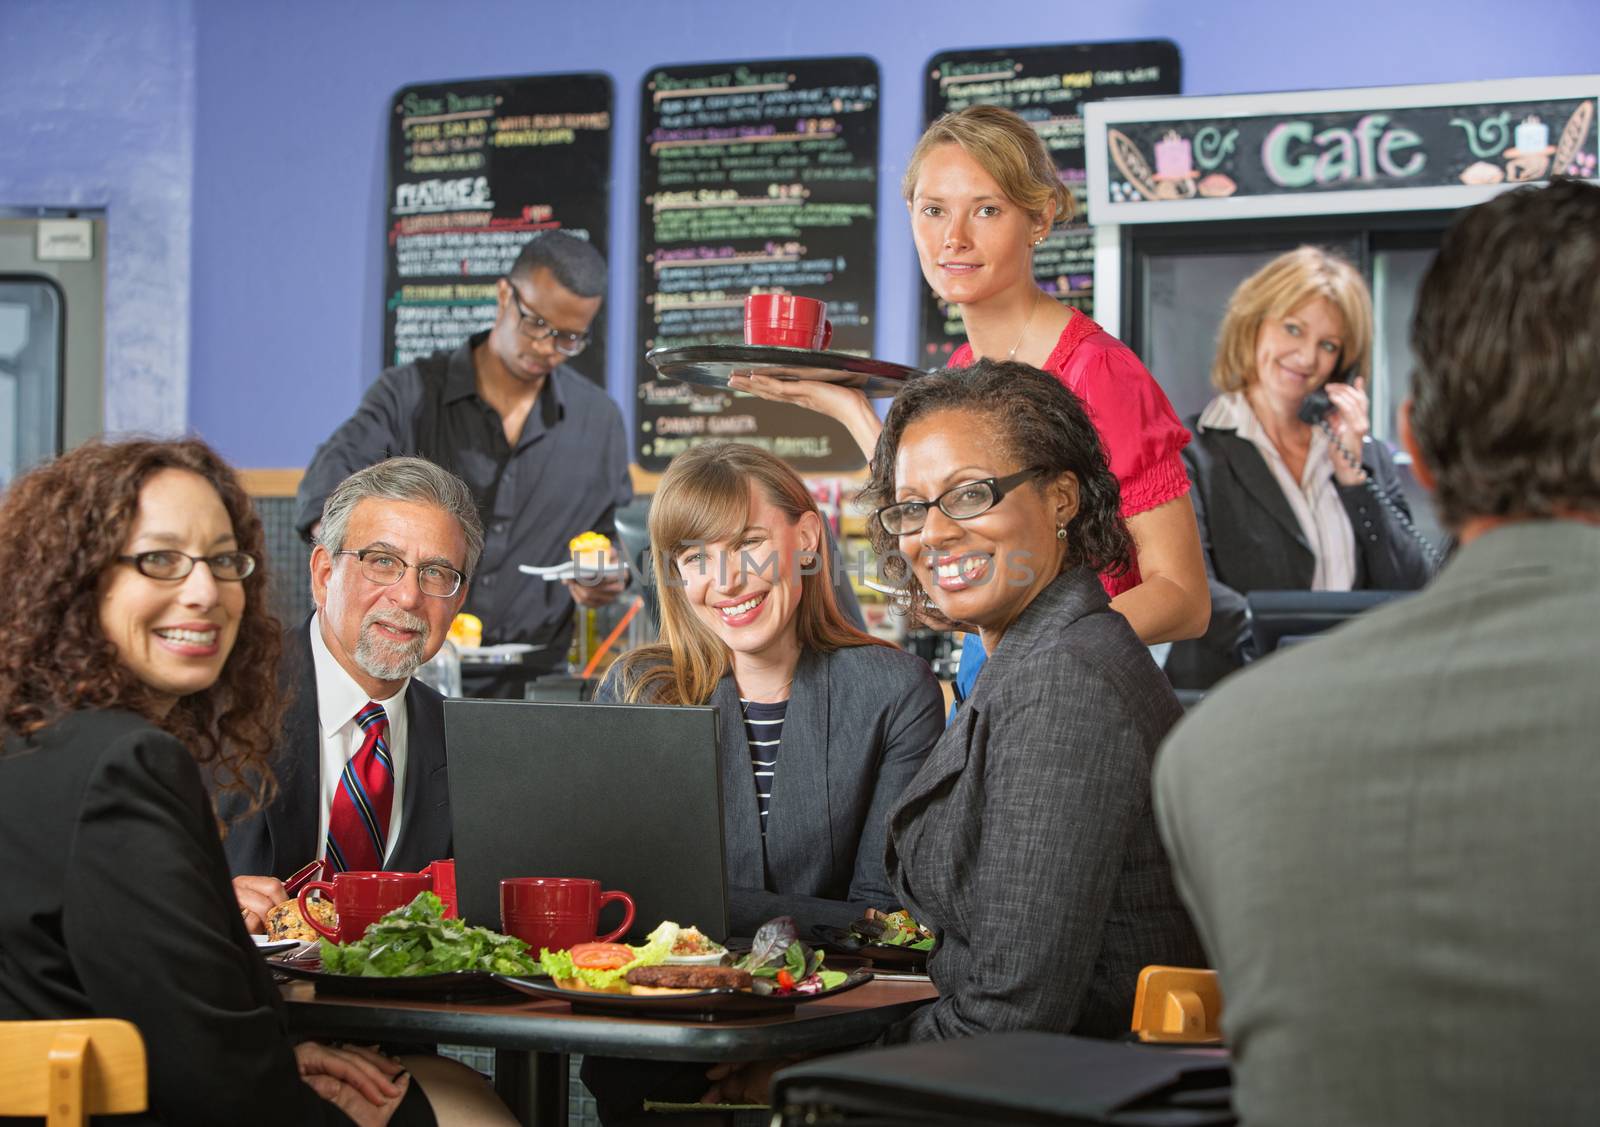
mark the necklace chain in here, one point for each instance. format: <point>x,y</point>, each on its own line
<point>1032,309</point>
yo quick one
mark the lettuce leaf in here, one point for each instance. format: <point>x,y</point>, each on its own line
<point>657,946</point>
<point>418,940</point>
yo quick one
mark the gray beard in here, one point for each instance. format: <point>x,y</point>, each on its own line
<point>386,660</point>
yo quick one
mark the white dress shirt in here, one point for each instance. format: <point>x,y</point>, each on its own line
<point>339,698</point>
<point>1313,499</point>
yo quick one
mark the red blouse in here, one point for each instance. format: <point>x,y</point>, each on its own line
<point>1142,434</point>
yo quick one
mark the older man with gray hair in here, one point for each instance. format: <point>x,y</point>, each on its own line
<point>361,765</point>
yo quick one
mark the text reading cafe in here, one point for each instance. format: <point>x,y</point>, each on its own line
<point>691,668</point>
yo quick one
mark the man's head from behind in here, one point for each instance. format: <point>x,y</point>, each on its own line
<point>397,544</point>
<point>547,304</point>
<point>1504,416</point>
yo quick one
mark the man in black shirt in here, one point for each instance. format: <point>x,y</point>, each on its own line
<point>542,448</point>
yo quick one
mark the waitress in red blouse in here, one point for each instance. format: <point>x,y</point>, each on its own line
<point>983,192</point>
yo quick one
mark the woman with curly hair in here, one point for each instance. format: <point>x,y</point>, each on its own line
<point>139,649</point>
<point>1027,841</point>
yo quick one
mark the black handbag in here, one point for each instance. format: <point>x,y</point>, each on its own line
<point>1010,1079</point>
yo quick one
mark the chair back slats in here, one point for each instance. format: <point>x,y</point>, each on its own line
<point>66,1071</point>
<point>1179,1004</point>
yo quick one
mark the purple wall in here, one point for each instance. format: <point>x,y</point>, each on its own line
<point>97,112</point>
<point>288,103</point>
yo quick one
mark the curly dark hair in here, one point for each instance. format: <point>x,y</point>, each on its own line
<point>1504,402</point>
<point>1038,423</point>
<point>62,525</point>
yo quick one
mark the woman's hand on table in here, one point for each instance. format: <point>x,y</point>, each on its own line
<point>257,896</point>
<point>361,1082</point>
<point>845,404</point>
<point>1349,424</point>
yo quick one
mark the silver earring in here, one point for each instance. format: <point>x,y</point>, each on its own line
<point>1061,534</point>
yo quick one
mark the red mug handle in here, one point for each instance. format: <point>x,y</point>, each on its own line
<point>305,913</point>
<point>627,914</point>
<point>827,335</point>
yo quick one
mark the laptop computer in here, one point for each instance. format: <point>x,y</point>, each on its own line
<point>629,795</point>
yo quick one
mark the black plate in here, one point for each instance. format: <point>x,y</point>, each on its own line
<point>882,955</point>
<point>703,1005</point>
<point>458,986</point>
<point>711,364</point>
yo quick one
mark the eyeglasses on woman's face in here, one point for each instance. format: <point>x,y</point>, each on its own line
<point>960,502</point>
<point>226,567</point>
<point>535,328</point>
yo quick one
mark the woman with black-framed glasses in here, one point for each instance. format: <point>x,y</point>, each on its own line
<point>143,652</point>
<point>1027,840</point>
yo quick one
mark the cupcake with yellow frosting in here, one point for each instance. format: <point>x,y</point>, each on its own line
<point>591,553</point>
<point>466,631</point>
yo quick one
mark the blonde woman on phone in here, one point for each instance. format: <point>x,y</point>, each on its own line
<point>1291,493</point>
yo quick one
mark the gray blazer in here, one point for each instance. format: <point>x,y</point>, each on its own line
<point>859,725</point>
<point>1388,838</point>
<point>1027,841</point>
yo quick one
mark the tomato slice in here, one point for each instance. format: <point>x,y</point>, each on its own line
<point>601,956</point>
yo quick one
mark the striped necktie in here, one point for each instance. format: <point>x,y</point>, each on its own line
<point>358,822</point>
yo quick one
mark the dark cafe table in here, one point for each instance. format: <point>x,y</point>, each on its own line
<point>532,1037</point>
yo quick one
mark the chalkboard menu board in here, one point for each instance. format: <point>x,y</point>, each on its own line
<point>1282,154</point>
<point>1047,86</point>
<point>476,169</point>
<point>754,177</point>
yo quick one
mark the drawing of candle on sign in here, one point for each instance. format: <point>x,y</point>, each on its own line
<point>1175,174</point>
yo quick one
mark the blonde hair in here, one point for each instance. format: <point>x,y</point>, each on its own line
<point>1278,289</point>
<point>1008,149</point>
<point>704,498</point>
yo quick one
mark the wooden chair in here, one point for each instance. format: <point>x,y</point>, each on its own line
<point>1178,1004</point>
<point>67,1071</point>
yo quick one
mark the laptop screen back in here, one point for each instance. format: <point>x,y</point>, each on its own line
<point>628,795</point>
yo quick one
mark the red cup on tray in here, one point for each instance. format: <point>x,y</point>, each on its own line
<point>783,320</point>
<point>362,899</point>
<point>559,912</point>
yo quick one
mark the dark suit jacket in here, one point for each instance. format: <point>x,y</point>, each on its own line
<point>859,724</point>
<point>1252,542</point>
<point>1027,842</point>
<point>282,838</point>
<point>118,904</point>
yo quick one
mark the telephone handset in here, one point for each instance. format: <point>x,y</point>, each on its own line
<point>1317,406</point>
<point>1315,409</point>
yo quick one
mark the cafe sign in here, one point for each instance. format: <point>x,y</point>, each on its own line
<point>1380,149</point>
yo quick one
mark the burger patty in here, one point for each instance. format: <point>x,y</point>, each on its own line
<point>690,977</point>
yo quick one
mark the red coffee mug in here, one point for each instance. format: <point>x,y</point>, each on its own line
<point>361,899</point>
<point>785,321</point>
<point>558,912</point>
